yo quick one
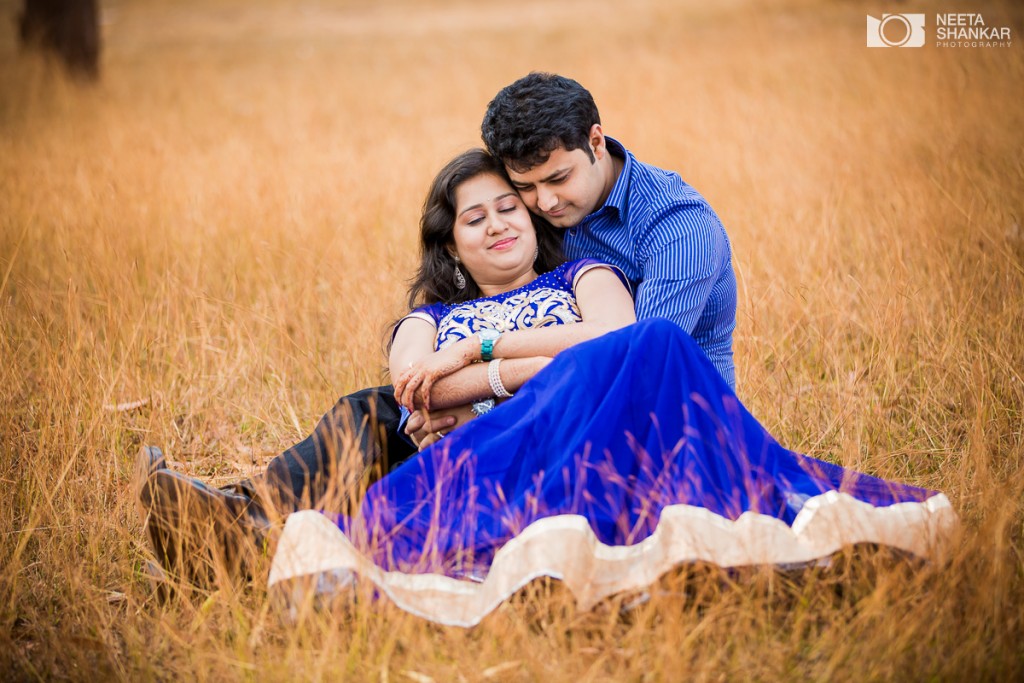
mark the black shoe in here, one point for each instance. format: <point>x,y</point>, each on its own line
<point>149,460</point>
<point>196,532</point>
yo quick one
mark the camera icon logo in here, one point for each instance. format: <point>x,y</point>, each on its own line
<point>896,30</point>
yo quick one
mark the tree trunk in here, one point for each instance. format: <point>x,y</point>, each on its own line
<point>68,29</point>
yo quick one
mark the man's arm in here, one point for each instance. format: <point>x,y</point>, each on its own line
<point>684,253</point>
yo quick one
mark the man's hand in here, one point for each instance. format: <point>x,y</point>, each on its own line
<point>425,428</point>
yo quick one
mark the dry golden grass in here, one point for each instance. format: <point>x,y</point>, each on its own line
<point>224,224</point>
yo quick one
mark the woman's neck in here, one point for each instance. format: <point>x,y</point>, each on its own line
<point>494,289</point>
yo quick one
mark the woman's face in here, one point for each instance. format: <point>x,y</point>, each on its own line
<point>494,237</point>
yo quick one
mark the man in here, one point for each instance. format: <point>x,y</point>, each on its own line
<point>648,222</point>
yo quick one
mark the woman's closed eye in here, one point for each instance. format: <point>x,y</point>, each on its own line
<point>476,219</point>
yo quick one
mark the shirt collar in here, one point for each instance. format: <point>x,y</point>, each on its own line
<point>617,198</point>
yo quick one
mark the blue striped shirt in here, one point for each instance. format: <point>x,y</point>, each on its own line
<point>672,247</point>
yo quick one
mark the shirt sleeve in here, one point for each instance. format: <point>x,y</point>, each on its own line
<point>684,252</point>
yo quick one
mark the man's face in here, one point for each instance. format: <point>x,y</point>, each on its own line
<point>565,188</point>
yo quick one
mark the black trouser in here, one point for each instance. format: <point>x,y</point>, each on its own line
<point>354,441</point>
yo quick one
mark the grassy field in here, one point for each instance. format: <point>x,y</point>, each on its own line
<point>224,225</point>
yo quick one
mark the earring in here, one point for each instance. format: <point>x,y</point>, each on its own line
<point>536,253</point>
<point>460,279</point>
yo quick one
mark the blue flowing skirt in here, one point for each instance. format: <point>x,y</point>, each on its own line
<point>614,429</point>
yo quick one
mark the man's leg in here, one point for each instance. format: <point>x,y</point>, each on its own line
<point>195,532</point>
<point>357,438</point>
<point>358,435</point>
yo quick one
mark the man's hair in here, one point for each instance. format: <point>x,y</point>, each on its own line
<point>435,279</point>
<point>531,118</point>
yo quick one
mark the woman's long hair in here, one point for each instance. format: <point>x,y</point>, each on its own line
<point>435,279</point>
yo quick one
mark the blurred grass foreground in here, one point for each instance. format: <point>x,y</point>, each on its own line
<point>220,229</point>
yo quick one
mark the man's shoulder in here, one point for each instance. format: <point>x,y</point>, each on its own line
<point>661,201</point>
<point>659,188</point>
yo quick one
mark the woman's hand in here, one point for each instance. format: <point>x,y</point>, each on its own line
<point>412,388</point>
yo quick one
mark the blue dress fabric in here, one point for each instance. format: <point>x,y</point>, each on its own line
<point>613,429</point>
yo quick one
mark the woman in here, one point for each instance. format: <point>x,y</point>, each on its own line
<point>617,452</point>
<point>474,221</point>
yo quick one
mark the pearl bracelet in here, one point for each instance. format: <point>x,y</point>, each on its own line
<point>494,377</point>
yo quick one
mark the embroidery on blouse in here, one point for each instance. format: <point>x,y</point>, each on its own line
<point>534,308</point>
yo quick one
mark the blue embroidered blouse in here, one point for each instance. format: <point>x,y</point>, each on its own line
<point>548,300</point>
